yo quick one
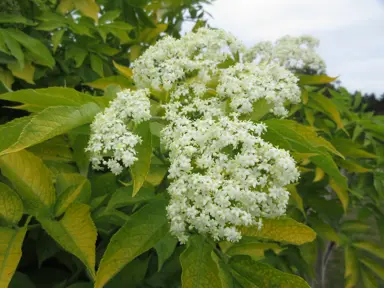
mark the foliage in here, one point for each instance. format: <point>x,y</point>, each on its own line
<point>65,225</point>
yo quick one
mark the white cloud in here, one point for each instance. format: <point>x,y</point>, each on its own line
<point>351,32</point>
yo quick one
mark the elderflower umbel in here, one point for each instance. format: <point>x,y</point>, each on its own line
<point>111,135</point>
<point>294,53</point>
<point>224,175</point>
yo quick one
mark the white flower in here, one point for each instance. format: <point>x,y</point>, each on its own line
<point>111,135</point>
<point>294,53</point>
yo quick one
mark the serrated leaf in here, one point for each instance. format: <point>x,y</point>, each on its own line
<point>27,73</point>
<point>284,230</point>
<point>52,121</point>
<point>122,197</point>
<point>252,274</point>
<point>78,192</point>
<point>11,207</point>
<point>140,169</point>
<point>376,267</point>
<point>53,96</point>
<point>76,233</point>
<point>10,252</point>
<point>97,64</point>
<point>328,107</point>
<point>81,157</point>
<point>198,267</point>
<point>314,79</point>
<point>31,179</point>
<point>125,71</point>
<point>55,149</point>
<point>140,233</point>
<point>164,249</point>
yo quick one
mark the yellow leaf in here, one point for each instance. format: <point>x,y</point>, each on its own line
<point>27,73</point>
<point>341,192</point>
<point>284,230</point>
<point>7,78</point>
<point>126,71</point>
<point>304,95</point>
<point>10,252</point>
<point>319,174</point>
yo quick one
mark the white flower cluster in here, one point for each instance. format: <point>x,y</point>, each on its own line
<point>224,175</point>
<point>244,84</point>
<point>111,135</point>
<point>293,53</point>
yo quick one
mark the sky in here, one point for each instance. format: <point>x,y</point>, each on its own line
<point>351,32</point>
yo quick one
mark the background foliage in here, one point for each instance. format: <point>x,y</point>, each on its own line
<point>64,225</point>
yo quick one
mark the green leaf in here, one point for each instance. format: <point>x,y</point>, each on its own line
<point>351,149</point>
<point>140,168</point>
<point>371,248</point>
<point>141,232</point>
<point>164,249</point>
<point>341,192</point>
<point>109,16</point>
<point>354,226</point>
<point>76,233</point>
<point>10,252</point>
<point>379,182</point>
<point>252,274</point>
<point>351,273</point>
<point>97,64</point>
<point>369,280</point>
<point>323,229</point>
<point>53,96</point>
<point>11,207</point>
<point>253,249</point>
<point>327,106</point>
<point>78,54</point>
<point>55,149</point>
<point>88,8</point>
<point>40,54</point>
<point>21,280</point>
<point>57,36</point>
<point>296,198</point>
<point>13,46</point>
<point>284,230</point>
<point>15,18</point>
<point>52,121</point>
<point>198,267</point>
<point>31,179</point>
<point>122,197</point>
<point>260,109</point>
<point>81,157</point>
<point>79,192</point>
<point>6,78</point>
<point>26,73</point>
<point>376,267</point>
<point>46,248</point>
<point>295,137</point>
<point>125,71</point>
<point>103,83</point>
<point>314,79</point>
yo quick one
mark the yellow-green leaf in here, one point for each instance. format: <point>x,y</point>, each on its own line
<point>319,174</point>
<point>26,73</point>
<point>88,8</point>
<point>165,248</point>
<point>31,179</point>
<point>13,46</point>
<point>369,279</point>
<point>57,36</point>
<point>253,249</point>
<point>103,83</point>
<point>97,64</point>
<point>11,207</point>
<point>10,252</point>
<point>284,230</point>
<point>314,79</point>
<point>323,229</point>
<point>198,267</point>
<point>351,273</point>
<point>125,71</point>
<point>304,95</point>
<point>341,192</point>
<point>44,125</point>
<point>78,192</point>
<point>295,197</point>
<point>140,168</point>
<point>352,166</point>
<point>76,233</point>
<point>55,149</point>
<point>371,248</point>
<point>253,274</point>
<point>376,267</point>
<point>6,78</point>
<point>351,149</point>
<point>328,107</point>
<point>40,99</point>
<point>140,233</point>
